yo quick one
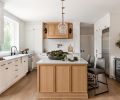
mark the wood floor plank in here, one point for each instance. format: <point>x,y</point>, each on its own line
<point>25,89</point>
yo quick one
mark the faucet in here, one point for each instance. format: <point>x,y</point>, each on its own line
<point>59,45</point>
<point>12,51</point>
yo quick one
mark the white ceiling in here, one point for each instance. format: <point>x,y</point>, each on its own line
<point>83,10</point>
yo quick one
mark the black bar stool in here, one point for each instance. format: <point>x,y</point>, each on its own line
<point>99,68</point>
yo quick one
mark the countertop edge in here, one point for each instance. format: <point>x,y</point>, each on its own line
<point>13,58</point>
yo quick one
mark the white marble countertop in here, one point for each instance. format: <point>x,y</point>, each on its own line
<point>13,57</point>
<point>48,61</point>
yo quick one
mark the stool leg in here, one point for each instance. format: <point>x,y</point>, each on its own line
<point>95,84</point>
<point>106,82</point>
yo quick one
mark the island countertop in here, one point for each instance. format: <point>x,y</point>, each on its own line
<point>48,61</point>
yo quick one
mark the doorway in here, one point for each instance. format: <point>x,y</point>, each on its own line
<point>86,39</point>
<point>105,48</point>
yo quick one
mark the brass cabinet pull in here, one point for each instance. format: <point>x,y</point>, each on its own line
<point>6,68</point>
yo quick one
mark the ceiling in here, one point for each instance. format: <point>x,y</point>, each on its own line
<point>83,10</point>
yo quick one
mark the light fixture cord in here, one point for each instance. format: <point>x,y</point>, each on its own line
<point>62,12</point>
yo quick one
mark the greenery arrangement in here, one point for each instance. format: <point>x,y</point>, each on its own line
<point>118,43</point>
<point>57,55</point>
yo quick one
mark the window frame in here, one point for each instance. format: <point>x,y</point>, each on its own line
<point>15,37</point>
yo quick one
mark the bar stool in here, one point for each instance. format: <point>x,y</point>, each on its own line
<point>99,68</point>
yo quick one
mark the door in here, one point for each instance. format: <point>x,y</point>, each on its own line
<point>86,45</point>
<point>105,48</point>
<point>62,78</point>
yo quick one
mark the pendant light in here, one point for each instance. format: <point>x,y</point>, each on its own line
<point>62,27</point>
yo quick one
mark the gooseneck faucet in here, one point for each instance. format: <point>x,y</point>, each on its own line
<point>13,53</point>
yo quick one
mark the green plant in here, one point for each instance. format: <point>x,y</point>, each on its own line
<point>118,43</point>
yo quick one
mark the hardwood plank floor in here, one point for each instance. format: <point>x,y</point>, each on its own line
<point>25,89</point>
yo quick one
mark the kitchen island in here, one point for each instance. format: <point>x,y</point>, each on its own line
<point>62,79</point>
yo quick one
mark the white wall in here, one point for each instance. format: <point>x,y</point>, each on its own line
<point>76,36</point>
<point>51,44</point>
<point>114,36</point>
<point>34,38</point>
<point>1,23</point>
<point>21,29</point>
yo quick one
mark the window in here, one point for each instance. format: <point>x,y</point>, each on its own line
<point>11,34</point>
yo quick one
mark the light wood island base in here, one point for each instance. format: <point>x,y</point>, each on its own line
<point>62,81</point>
<point>62,95</point>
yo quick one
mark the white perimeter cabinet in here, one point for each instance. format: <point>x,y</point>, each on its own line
<point>11,71</point>
<point>100,25</point>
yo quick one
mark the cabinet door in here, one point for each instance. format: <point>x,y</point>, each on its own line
<point>63,78</point>
<point>79,79</point>
<point>16,71</point>
<point>25,64</point>
<point>46,78</point>
<point>10,69</point>
<point>2,76</point>
<point>51,30</point>
<point>58,34</point>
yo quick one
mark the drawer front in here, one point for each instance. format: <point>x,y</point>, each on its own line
<point>24,59</point>
<point>17,61</point>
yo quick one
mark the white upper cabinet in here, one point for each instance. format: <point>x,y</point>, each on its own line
<point>1,23</point>
<point>101,24</point>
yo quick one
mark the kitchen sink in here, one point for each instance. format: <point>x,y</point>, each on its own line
<point>13,56</point>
